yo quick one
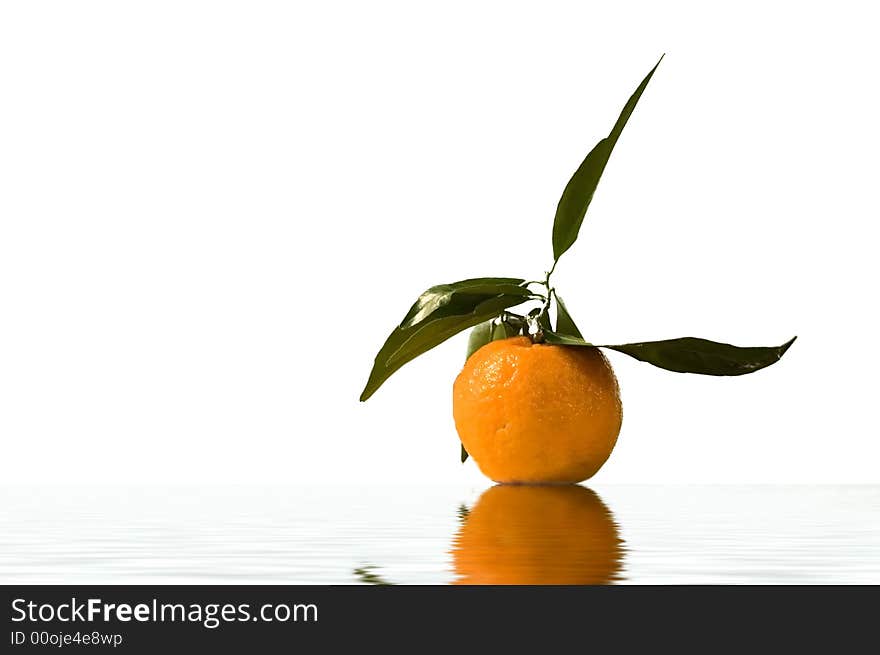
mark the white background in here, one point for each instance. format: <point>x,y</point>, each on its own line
<point>212,214</point>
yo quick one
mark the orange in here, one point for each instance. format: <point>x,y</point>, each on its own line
<point>535,535</point>
<point>537,413</point>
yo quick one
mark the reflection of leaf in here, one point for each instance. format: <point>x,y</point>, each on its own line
<point>690,354</point>
<point>463,513</point>
<point>366,576</point>
<point>579,191</point>
<point>430,322</point>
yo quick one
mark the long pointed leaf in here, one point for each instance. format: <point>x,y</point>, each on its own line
<point>690,354</point>
<point>579,191</point>
<point>406,343</point>
<point>693,355</point>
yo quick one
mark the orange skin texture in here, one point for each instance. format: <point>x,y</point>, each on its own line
<point>538,535</point>
<point>537,413</point>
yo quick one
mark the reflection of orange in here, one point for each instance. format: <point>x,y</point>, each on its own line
<point>537,413</point>
<point>534,535</point>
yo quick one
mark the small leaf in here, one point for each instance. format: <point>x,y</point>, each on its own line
<point>579,191</point>
<point>564,322</point>
<point>486,332</point>
<point>461,311</point>
<point>442,294</point>
<point>503,330</point>
<point>691,355</point>
<point>479,337</point>
<point>464,454</point>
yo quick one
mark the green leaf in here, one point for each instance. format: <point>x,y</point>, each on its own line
<point>461,311</point>
<point>504,330</point>
<point>579,191</point>
<point>564,322</point>
<point>558,339</point>
<point>690,354</point>
<point>464,454</point>
<point>479,337</point>
<point>442,294</point>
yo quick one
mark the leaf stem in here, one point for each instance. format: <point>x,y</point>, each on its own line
<point>534,318</point>
<point>550,290</point>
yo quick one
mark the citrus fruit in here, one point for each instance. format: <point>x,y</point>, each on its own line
<point>545,412</point>
<point>537,535</point>
<point>537,413</point>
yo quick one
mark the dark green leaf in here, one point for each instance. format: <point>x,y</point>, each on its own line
<point>579,191</point>
<point>464,454</point>
<point>564,322</point>
<point>404,344</point>
<point>442,294</point>
<point>691,355</point>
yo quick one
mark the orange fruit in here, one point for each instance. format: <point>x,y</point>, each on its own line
<point>535,535</point>
<point>537,413</point>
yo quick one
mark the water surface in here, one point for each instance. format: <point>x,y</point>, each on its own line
<point>438,535</point>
